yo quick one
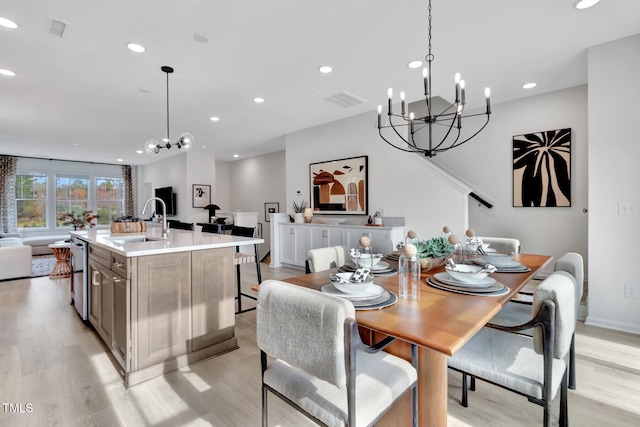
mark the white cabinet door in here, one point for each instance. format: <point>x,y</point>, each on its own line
<point>326,237</point>
<point>294,245</point>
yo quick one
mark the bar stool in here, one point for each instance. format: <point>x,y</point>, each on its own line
<point>62,252</point>
<point>244,258</point>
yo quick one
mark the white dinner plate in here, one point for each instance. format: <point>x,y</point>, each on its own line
<point>373,291</point>
<point>380,266</point>
<point>503,264</point>
<point>448,280</point>
<point>495,290</point>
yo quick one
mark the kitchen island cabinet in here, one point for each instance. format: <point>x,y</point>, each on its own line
<point>161,304</point>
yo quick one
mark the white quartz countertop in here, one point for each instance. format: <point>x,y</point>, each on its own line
<point>344,225</point>
<point>132,244</point>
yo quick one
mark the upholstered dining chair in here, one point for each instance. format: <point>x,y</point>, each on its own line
<point>212,228</point>
<point>180,225</point>
<point>245,258</point>
<point>319,365</point>
<point>322,259</point>
<point>518,311</point>
<point>503,244</point>
<point>535,367</point>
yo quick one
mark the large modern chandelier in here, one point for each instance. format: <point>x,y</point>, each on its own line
<point>450,118</point>
<point>152,147</point>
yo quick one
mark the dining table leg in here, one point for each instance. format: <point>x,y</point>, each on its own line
<point>432,387</point>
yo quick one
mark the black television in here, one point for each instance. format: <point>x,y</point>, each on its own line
<point>169,198</point>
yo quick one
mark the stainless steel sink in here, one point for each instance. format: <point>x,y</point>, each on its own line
<point>121,240</point>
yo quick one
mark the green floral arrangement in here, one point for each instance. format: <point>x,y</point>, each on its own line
<point>434,247</point>
<point>78,220</point>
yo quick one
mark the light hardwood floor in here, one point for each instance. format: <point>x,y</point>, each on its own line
<point>50,360</point>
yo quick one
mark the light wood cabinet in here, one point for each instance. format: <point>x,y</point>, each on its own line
<point>213,297</point>
<point>162,316</point>
<point>160,312</point>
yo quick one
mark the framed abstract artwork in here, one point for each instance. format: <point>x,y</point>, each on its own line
<point>340,186</point>
<point>201,195</point>
<point>269,208</point>
<point>542,169</point>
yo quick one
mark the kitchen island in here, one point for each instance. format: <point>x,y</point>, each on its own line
<point>161,302</point>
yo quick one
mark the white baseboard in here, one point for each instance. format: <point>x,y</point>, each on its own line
<point>616,326</point>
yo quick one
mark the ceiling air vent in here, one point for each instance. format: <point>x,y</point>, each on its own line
<point>57,27</point>
<point>345,99</point>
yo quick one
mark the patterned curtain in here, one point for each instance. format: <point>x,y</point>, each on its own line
<point>128,190</point>
<point>8,207</point>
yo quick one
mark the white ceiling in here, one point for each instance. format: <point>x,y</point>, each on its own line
<point>85,88</point>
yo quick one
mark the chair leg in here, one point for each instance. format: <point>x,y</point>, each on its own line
<point>564,412</point>
<point>239,293</point>
<point>465,402</point>
<point>472,387</point>
<point>572,363</point>
<point>265,416</point>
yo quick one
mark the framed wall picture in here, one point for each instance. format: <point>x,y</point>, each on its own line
<point>542,169</point>
<point>270,207</point>
<point>340,186</point>
<point>201,195</point>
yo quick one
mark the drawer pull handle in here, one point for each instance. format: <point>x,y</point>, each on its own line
<point>118,279</point>
<point>118,264</point>
<point>94,279</point>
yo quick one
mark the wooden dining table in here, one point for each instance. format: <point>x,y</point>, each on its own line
<point>439,322</point>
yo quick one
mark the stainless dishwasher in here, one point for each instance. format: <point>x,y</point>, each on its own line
<point>79,263</point>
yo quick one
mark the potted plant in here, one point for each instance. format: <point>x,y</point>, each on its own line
<point>433,252</point>
<point>78,220</point>
<point>298,210</point>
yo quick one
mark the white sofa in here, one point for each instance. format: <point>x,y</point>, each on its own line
<point>15,258</point>
<point>16,252</point>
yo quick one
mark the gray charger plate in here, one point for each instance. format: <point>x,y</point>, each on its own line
<point>500,289</point>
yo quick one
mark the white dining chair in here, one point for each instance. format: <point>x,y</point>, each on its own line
<point>518,311</point>
<point>322,259</point>
<point>535,367</point>
<point>317,362</point>
<point>503,244</point>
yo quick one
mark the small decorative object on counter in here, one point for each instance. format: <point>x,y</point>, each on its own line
<point>409,273</point>
<point>128,224</point>
<point>446,231</point>
<point>298,210</point>
<point>308,215</point>
<point>377,218</point>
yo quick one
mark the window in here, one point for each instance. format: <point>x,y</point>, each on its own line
<point>31,199</point>
<point>72,195</point>
<point>109,198</point>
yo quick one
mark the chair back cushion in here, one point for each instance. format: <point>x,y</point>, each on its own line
<point>560,288</point>
<point>573,264</point>
<point>304,328</point>
<point>322,259</point>
<point>243,231</point>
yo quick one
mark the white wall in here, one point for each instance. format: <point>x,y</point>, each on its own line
<point>252,183</point>
<point>486,164</point>
<point>399,183</point>
<point>614,176</point>
<point>180,171</point>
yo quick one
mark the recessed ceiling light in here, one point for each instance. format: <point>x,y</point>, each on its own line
<point>204,146</point>
<point>414,64</point>
<point>7,73</point>
<point>120,160</point>
<point>7,23</point>
<point>75,144</point>
<point>139,151</point>
<point>585,4</point>
<point>325,69</point>
<point>144,90</point>
<point>165,139</point>
<point>258,100</point>
<point>134,47</point>
<point>529,85</point>
<point>214,118</point>
<point>201,38</point>
<point>236,155</point>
